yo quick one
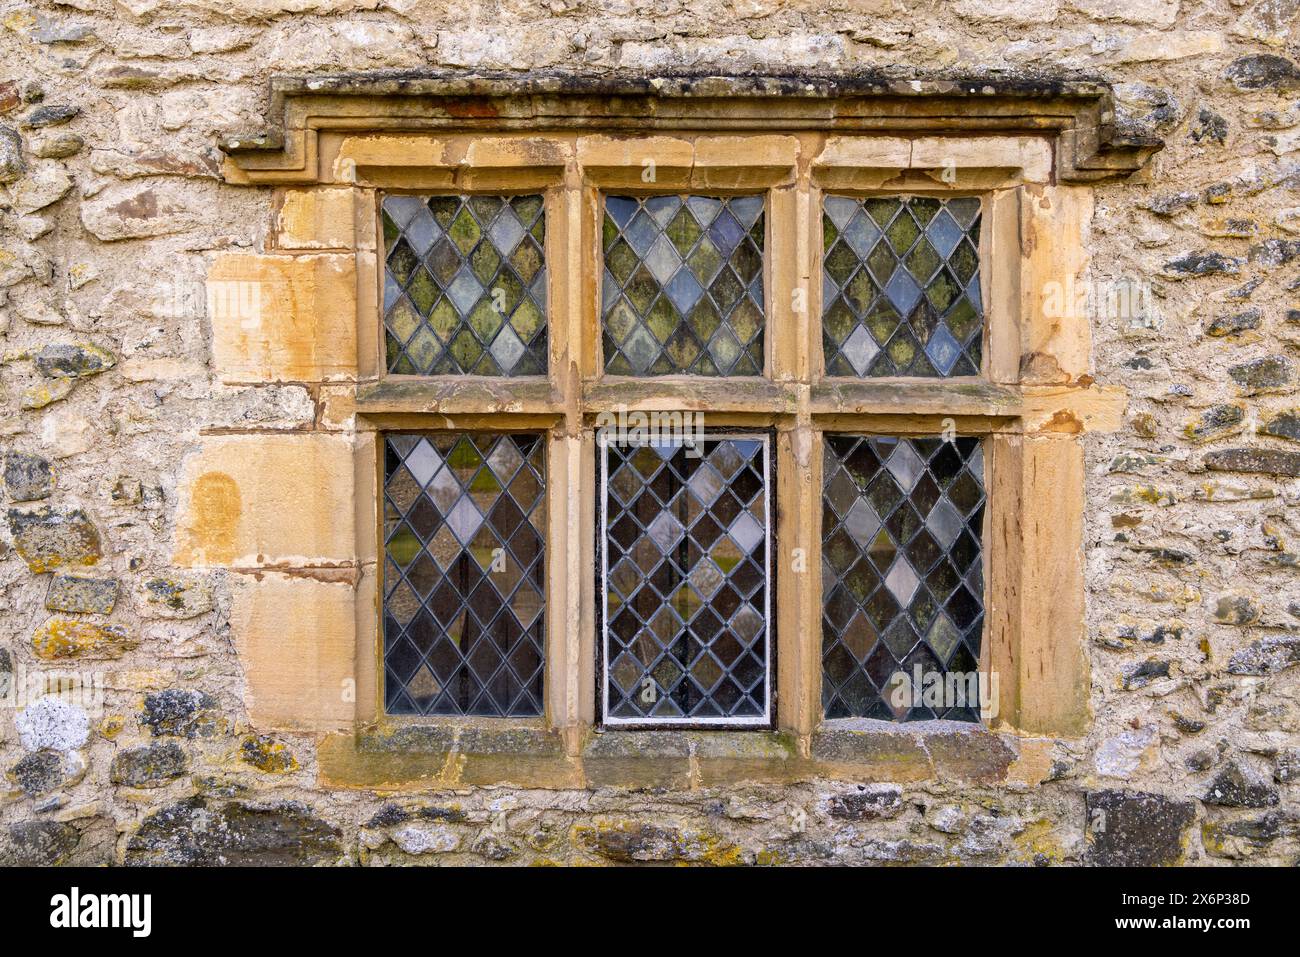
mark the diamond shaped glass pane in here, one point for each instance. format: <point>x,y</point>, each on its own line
<point>685,574</point>
<point>464,622</point>
<point>683,285</point>
<point>902,577</point>
<point>901,286</point>
<point>464,285</point>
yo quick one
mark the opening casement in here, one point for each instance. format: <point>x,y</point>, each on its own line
<point>704,406</point>
<point>686,575</point>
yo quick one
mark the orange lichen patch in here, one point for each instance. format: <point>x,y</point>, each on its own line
<point>267,754</point>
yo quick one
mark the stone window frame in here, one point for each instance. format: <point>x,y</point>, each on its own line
<point>1029,151</point>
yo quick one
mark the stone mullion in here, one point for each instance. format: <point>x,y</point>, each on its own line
<point>798,465</point>
<point>1000,249</point>
<point>567,485</point>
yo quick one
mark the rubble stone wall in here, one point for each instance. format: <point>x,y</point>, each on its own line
<point>114,213</point>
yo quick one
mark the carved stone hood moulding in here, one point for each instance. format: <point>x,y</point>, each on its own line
<point>1078,112</point>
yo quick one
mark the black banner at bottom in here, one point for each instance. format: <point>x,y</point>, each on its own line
<point>334,906</point>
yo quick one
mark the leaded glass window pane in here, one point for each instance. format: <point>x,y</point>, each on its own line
<point>902,573</point>
<point>686,553</point>
<point>682,285</point>
<point>901,286</point>
<point>464,573</point>
<point>465,285</point>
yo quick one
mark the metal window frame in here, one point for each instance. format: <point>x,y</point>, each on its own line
<point>767,719</point>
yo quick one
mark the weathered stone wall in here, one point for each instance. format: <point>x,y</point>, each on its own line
<point>113,213</point>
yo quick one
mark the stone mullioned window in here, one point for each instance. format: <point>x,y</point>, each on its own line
<point>902,286</point>
<point>686,574</point>
<point>868,352</point>
<point>464,520</point>
<point>902,572</point>
<point>682,285</point>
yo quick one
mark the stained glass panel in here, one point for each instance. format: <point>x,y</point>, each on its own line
<point>465,285</point>
<point>685,561</point>
<point>464,573</point>
<point>902,574</point>
<point>682,285</point>
<point>901,286</point>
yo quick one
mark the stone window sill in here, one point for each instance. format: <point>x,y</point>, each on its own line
<point>440,756</point>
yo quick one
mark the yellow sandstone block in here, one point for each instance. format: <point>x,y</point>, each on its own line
<point>390,151</point>
<point>520,151</point>
<point>277,499</point>
<point>1055,339</point>
<point>315,219</point>
<point>1030,154</point>
<point>890,152</point>
<point>295,637</point>
<point>338,406</point>
<point>283,318</point>
<point>763,151</point>
<point>596,152</point>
